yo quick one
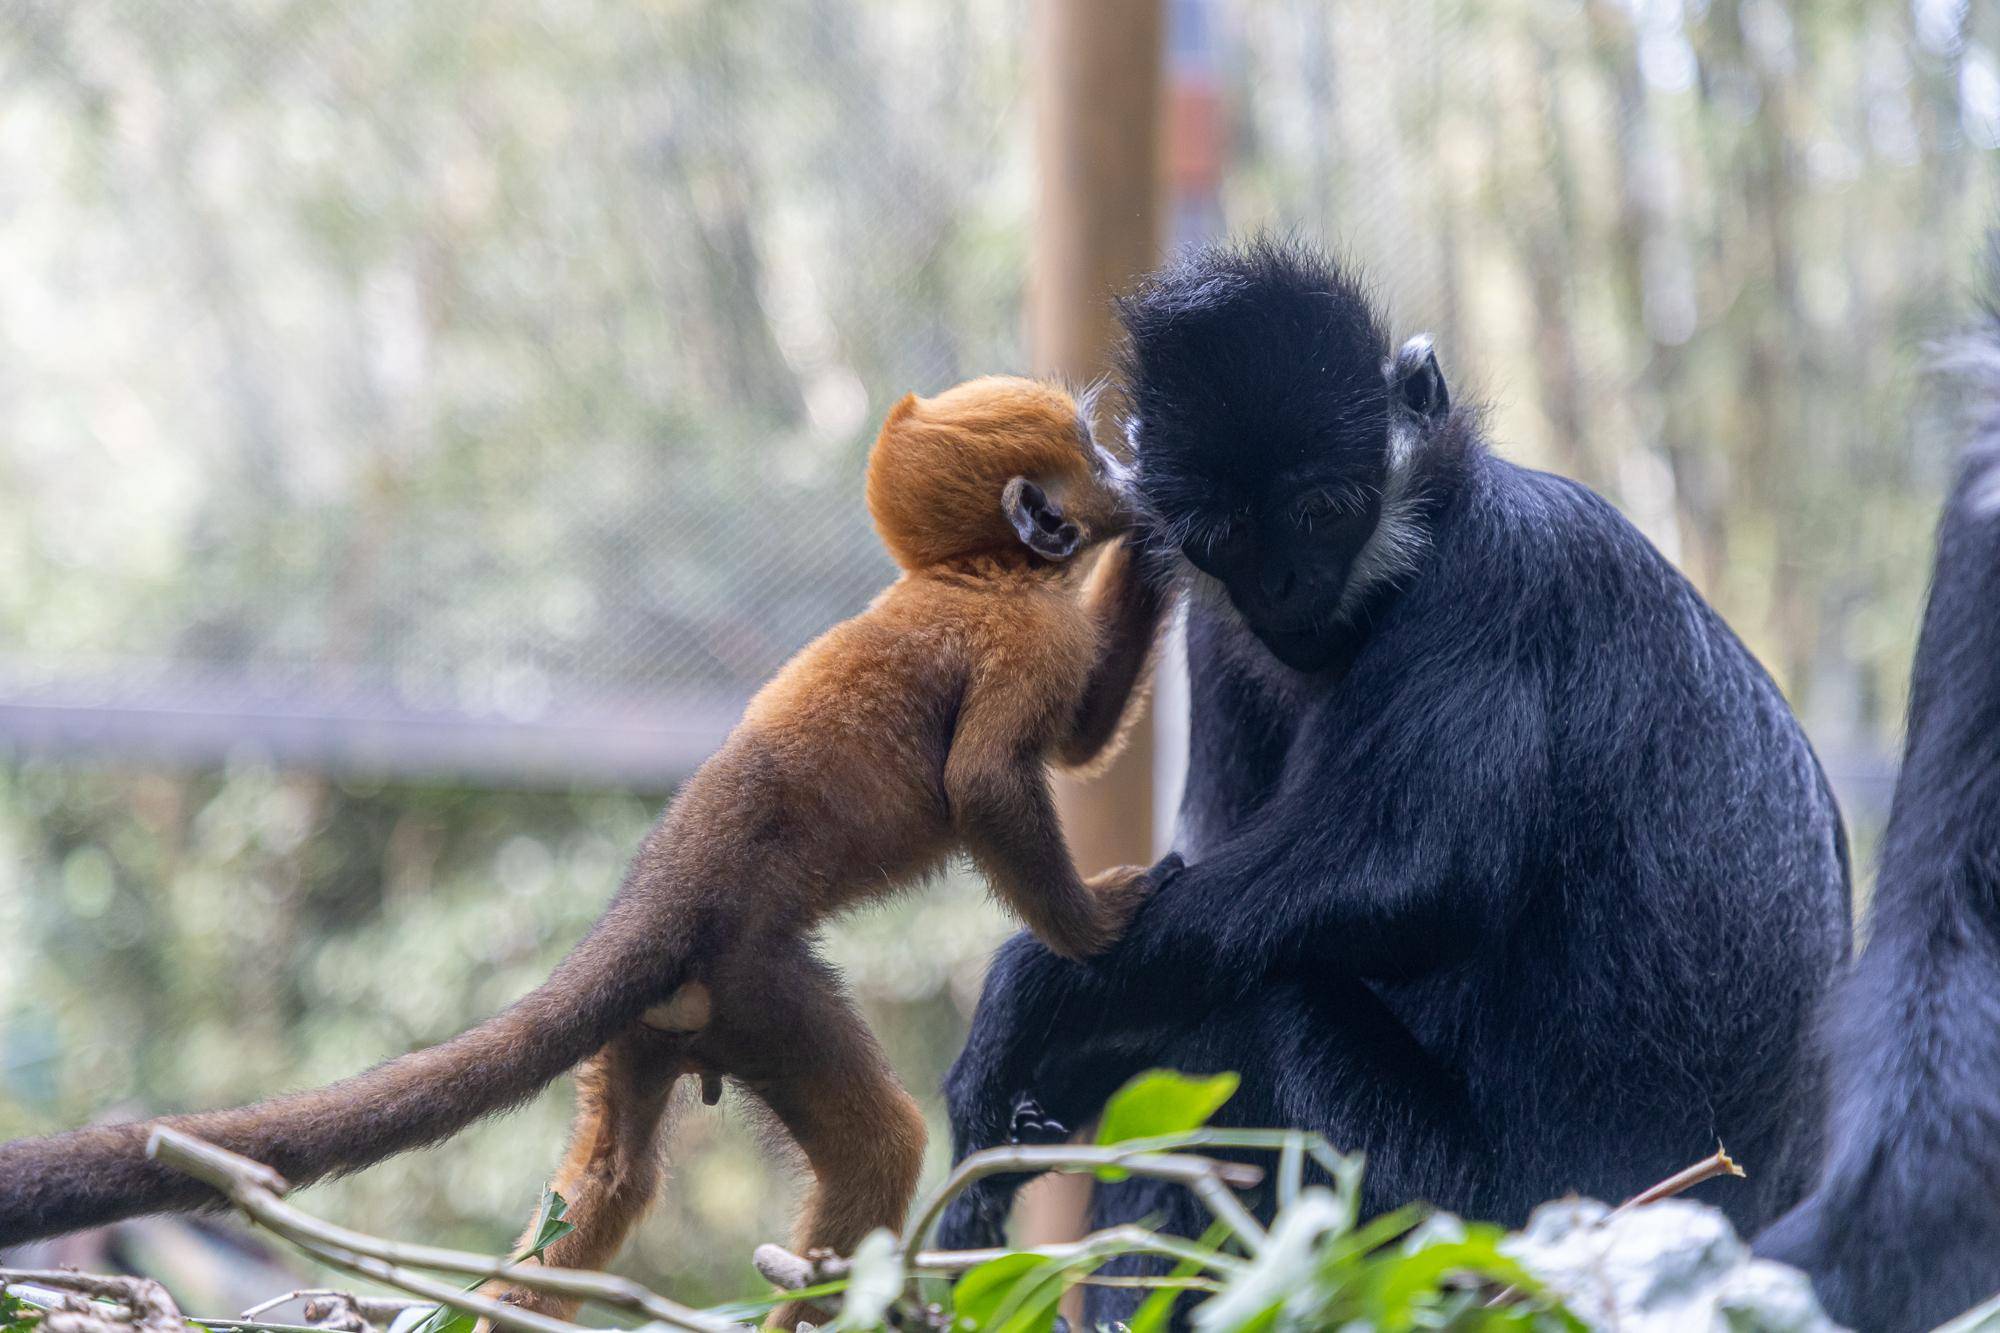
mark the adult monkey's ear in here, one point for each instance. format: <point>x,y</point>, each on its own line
<point>1416,381</point>
<point>1038,520</point>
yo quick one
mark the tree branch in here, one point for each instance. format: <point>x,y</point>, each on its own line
<point>1708,1168</point>
<point>255,1188</point>
<point>1204,1175</point>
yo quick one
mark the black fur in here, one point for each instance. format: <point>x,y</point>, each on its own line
<point>1903,1229</point>
<point>1528,882</point>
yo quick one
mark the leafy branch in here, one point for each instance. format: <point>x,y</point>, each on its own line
<point>1318,1264</point>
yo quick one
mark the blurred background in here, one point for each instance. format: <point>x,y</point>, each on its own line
<point>421,427</point>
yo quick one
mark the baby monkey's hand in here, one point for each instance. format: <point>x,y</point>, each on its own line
<point>1120,892</point>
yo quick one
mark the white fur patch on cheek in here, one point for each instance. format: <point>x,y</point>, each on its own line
<point>1120,474</point>
<point>1402,445</point>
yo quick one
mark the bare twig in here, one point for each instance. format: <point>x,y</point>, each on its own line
<point>323,1303</point>
<point>790,1271</point>
<point>249,1185</point>
<point>1205,1175</point>
<point>1708,1168</point>
<point>1229,1209</point>
<point>267,1325</point>
<point>139,1303</point>
<point>1207,1284</point>
<point>375,1310</point>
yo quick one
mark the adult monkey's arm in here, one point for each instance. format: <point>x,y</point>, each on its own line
<point>1327,876</point>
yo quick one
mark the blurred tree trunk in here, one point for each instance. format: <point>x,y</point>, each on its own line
<point>1097,230</point>
<point>1097,71</point>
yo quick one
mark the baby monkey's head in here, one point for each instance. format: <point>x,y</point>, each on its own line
<point>990,467</point>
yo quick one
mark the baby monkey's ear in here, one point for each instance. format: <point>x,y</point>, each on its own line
<point>1038,520</point>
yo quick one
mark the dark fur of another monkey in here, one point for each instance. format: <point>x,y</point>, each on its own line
<point>921,727</point>
<point>1902,1229</point>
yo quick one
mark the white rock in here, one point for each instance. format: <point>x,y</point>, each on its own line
<point>1670,1267</point>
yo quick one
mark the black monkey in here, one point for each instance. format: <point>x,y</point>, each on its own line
<point>1903,1229</point>
<point>1506,863</point>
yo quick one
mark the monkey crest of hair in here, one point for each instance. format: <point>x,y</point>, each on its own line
<point>920,728</point>
<point>1903,1229</point>
<point>937,471</point>
<point>1271,339</point>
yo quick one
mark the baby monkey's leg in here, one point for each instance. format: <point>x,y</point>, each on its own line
<point>612,1166</point>
<point>825,1077</point>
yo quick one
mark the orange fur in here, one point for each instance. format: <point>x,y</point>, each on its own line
<point>920,727</point>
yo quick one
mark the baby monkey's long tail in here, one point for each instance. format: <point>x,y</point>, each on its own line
<point>92,1176</point>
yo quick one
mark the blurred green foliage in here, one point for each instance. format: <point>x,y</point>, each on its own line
<point>183,941</point>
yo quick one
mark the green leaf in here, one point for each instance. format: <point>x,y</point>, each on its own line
<point>549,1228</point>
<point>1158,1307</point>
<point>1016,1293</point>
<point>753,1311</point>
<point>1416,1283</point>
<point>444,1319</point>
<point>978,1295</point>
<point>1160,1102</point>
<point>549,1225</point>
<point>17,1315</point>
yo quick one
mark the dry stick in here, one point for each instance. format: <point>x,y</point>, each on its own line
<point>1207,1284</point>
<point>1708,1168</point>
<point>783,1268</point>
<point>255,1188</point>
<point>371,1308</point>
<point>146,1302</point>
<point>1206,1176</point>
<point>123,1289</point>
<point>261,1325</point>
<point>499,1313</point>
<point>84,1282</point>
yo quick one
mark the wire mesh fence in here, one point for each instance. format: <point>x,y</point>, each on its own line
<point>486,387</point>
<point>392,365</point>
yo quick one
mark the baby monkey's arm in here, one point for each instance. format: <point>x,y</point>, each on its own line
<point>1126,601</point>
<point>1000,802</point>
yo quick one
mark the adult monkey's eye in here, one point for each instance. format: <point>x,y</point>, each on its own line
<point>1316,508</point>
<point>1207,544</point>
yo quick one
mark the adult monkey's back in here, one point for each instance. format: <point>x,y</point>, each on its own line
<point>1903,1229</point>
<point>1507,862</point>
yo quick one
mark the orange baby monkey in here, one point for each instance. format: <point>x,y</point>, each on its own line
<point>921,727</point>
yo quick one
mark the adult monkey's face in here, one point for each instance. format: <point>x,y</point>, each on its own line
<point>1273,432</point>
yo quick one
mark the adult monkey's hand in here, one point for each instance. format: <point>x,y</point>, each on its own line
<point>1043,1054</point>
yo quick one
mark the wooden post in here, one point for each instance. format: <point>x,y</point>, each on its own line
<point>1096,66</point>
<point>1097,71</point>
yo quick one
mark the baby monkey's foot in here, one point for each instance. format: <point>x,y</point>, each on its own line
<point>534,1302</point>
<point>1032,1125</point>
